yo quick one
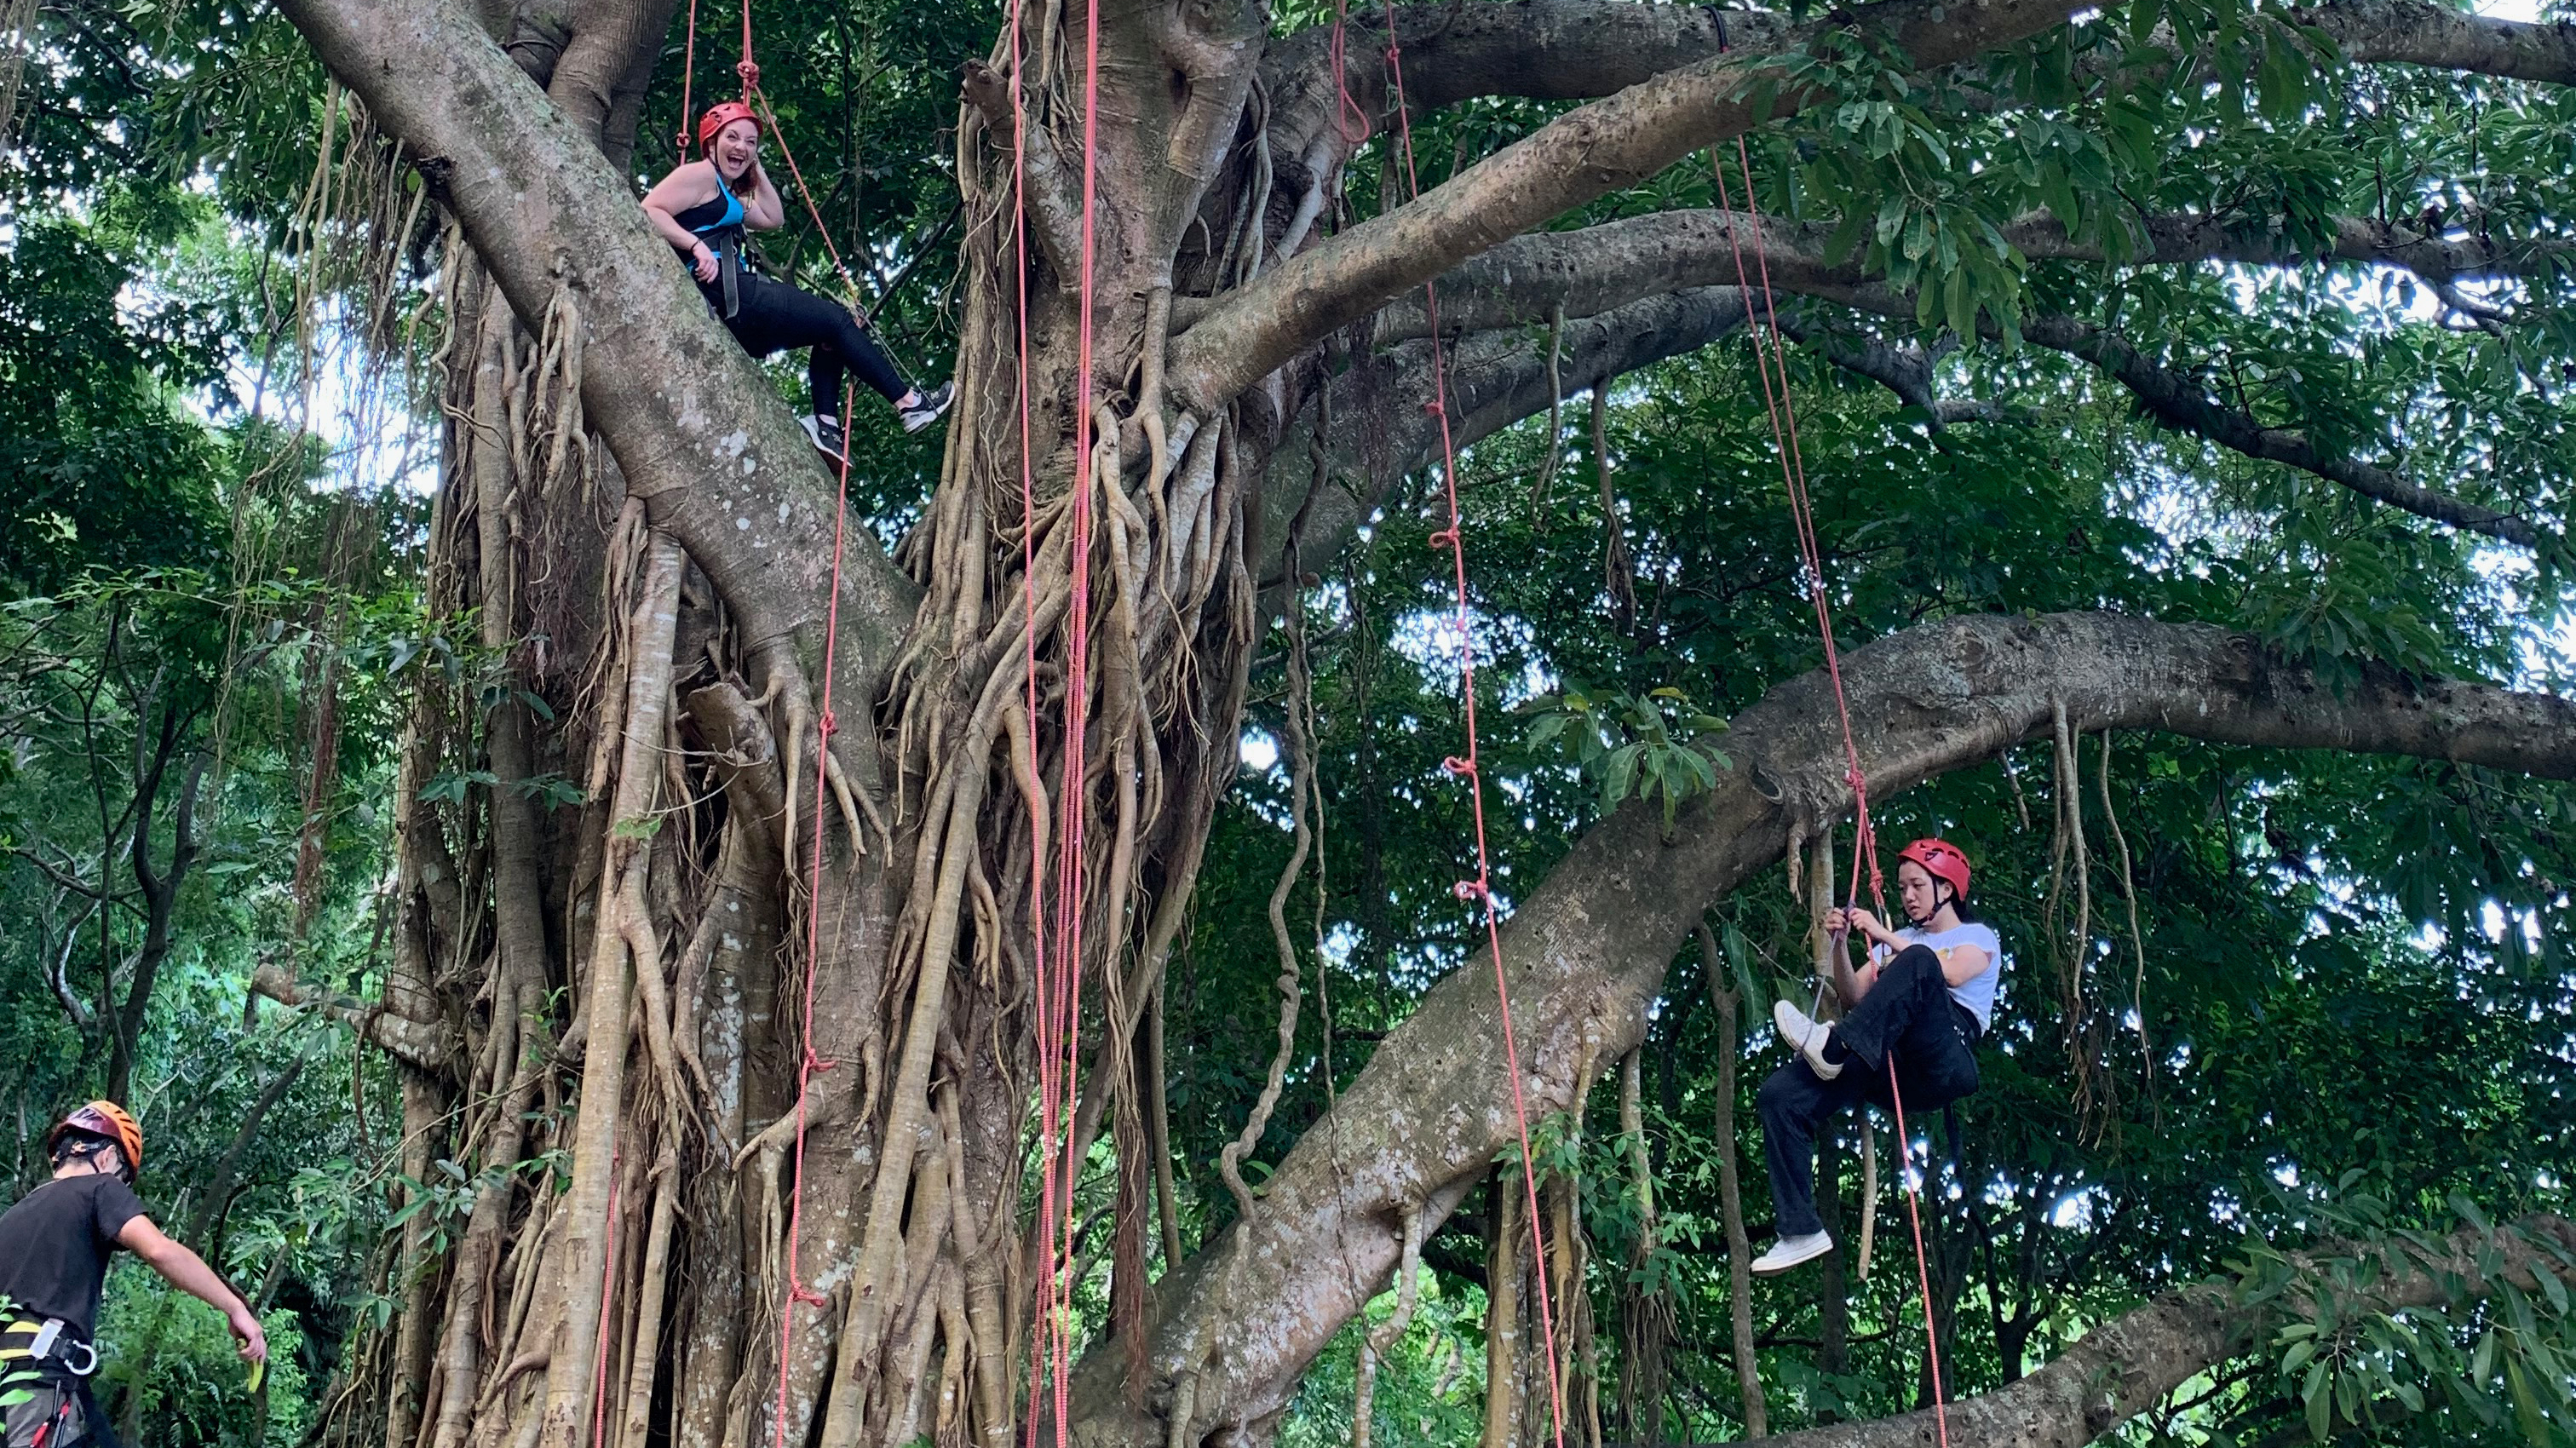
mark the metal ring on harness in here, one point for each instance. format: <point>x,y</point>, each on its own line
<point>50,1346</point>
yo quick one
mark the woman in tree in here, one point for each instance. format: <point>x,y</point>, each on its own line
<point>1926,995</point>
<point>703,209</point>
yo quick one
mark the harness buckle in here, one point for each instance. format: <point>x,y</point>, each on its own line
<point>48,1344</point>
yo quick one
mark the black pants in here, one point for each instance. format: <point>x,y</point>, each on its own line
<point>1908,1012</point>
<point>775,317</point>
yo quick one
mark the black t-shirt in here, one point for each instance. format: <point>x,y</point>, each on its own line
<point>54,1247</point>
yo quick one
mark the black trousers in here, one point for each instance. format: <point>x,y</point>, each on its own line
<point>774,317</point>
<point>1908,1013</point>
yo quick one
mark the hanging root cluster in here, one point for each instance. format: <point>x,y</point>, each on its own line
<point>2082,963</point>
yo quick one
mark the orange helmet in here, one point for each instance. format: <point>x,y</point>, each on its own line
<point>1942,861</point>
<point>720,116</point>
<point>108,1122</point>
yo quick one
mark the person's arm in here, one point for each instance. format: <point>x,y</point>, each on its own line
<point>1849,982</point>
<point>189,1273</point>
<point>1966,963</point>
<point>670,196</point>
<point>762,210</point>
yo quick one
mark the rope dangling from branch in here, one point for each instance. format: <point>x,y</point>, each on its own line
<point>1479,891</point>
<point>1782,409</point>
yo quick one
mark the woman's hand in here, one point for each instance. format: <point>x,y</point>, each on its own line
<point>703,263</point>
<point>1862,922</point>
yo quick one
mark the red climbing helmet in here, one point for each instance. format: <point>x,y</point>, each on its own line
<point>1942,861</point>
<point>720,116</point>
<point>108,1122</point>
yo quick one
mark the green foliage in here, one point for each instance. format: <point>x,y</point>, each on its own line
<point>194,1386</point>
<point>1626,745</point>
<point>107,469</point>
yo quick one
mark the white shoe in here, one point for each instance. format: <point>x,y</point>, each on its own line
<point>1789,1252</point>
<point>1807,1037</point>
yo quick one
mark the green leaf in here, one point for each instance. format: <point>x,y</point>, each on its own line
<point>2526,1406</point>
<point>2320,1403</point>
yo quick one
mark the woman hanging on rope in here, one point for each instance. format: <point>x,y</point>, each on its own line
<point>1926,995</point>
<point>703,208</point>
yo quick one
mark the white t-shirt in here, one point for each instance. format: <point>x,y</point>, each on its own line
<point>1978,995</point>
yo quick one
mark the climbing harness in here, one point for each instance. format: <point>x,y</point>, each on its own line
<point>1478,891</point>
<point>726,237</point>
<point>47,1344</point>
<point>42,1371</point>
<point>1782,411</point>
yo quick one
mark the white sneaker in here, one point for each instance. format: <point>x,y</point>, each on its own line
<point>1789,1252</point>
<point>1807,1037</point>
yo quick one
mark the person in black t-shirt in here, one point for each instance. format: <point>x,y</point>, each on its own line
<point>54,1249</point>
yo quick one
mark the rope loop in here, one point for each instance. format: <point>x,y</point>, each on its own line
<point>807,1295</point>
<point>1445,538</point>
<point>1469,889</point>
<point>750,73</point>
<point>831,725</point>
<point>1463,768</point>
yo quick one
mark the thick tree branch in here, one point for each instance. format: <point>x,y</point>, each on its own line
<point>2178,400</point>
<point>1606,265</point>
<point>1583,154</point>
<point>1587,948</point>
<point>1055,195</point>
<point>1584,49</point>
<point>1600,267</point>
<point>2417,32</point>
<point>423,1044</point>
<point>1564,50</point>
<point>2132,1363</point>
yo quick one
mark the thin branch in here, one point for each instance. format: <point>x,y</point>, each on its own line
<point>2177,400</point>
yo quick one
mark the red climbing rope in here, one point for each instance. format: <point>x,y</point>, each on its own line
<point>759,101</point>
<point>1479,889</point>
<point>1058,961</point>
<point>688,74</point>
<point>1793,471</point>
<point>807,1062</point>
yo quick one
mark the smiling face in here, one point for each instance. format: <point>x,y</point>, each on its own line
<point>1918,892</point>
<point>736,147</point>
